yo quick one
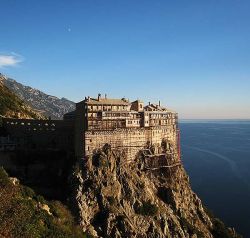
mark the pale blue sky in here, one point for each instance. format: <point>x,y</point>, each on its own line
<point>192,55</point>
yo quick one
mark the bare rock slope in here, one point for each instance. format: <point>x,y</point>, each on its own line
<point>120,200</point>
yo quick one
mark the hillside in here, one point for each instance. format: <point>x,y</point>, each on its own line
<point>25,214</point>
<point>49,106</point>
<point>13,106</point>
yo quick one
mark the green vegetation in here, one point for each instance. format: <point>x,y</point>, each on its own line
<point>147,209</point>
<point>111,201</point>
<point>12,106</point>
<point>24,214</point>
<point>219,229</point>
<point>4,178</point>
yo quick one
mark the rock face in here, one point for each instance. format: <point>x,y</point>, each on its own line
<point>49,106</point>
<point>121,200</point>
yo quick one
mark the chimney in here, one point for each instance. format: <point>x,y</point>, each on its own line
<point>159,103</point>
<point>99,96</point>
<point>149,103</point>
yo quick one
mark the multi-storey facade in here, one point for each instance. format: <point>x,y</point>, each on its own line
<point>122,124</point>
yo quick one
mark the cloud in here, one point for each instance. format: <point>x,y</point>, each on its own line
<point>12,59</point>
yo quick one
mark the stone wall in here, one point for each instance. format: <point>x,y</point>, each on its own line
<point>131,140</point>
<point>40,134</point>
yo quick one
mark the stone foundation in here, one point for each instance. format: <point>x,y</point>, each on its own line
<point>131,140</point>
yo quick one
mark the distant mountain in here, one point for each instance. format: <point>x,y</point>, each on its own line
<point>48,105</point>
<point>12,106</point>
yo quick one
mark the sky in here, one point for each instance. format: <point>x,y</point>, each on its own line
<point>192,55</point>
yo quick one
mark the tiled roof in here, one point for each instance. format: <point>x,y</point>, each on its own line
<point>107,101</point>
<point>155,107</point>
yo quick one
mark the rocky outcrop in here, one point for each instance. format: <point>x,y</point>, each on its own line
<point>49,106</point>
<point>115,199</point>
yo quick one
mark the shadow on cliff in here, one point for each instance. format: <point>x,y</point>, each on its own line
<point>45,171</point>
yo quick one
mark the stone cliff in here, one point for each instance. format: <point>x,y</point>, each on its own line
<point>115,199</point>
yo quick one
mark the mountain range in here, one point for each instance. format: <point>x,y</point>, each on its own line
<point>47,105</point>
<point>12,106</point>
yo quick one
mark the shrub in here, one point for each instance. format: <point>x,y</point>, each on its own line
<point>220,230</point>
<point>111,201</point>
<point>40,199</point>
<point>20,215</point>
<point>27,192</point>
<point>4,179</point>
<point>147,209</point>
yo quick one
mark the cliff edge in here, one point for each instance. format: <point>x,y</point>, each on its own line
<point>116,199</point>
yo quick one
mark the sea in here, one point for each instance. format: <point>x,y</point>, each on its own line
<point>216,156</point>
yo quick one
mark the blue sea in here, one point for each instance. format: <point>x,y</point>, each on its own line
<point>216,156</point>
